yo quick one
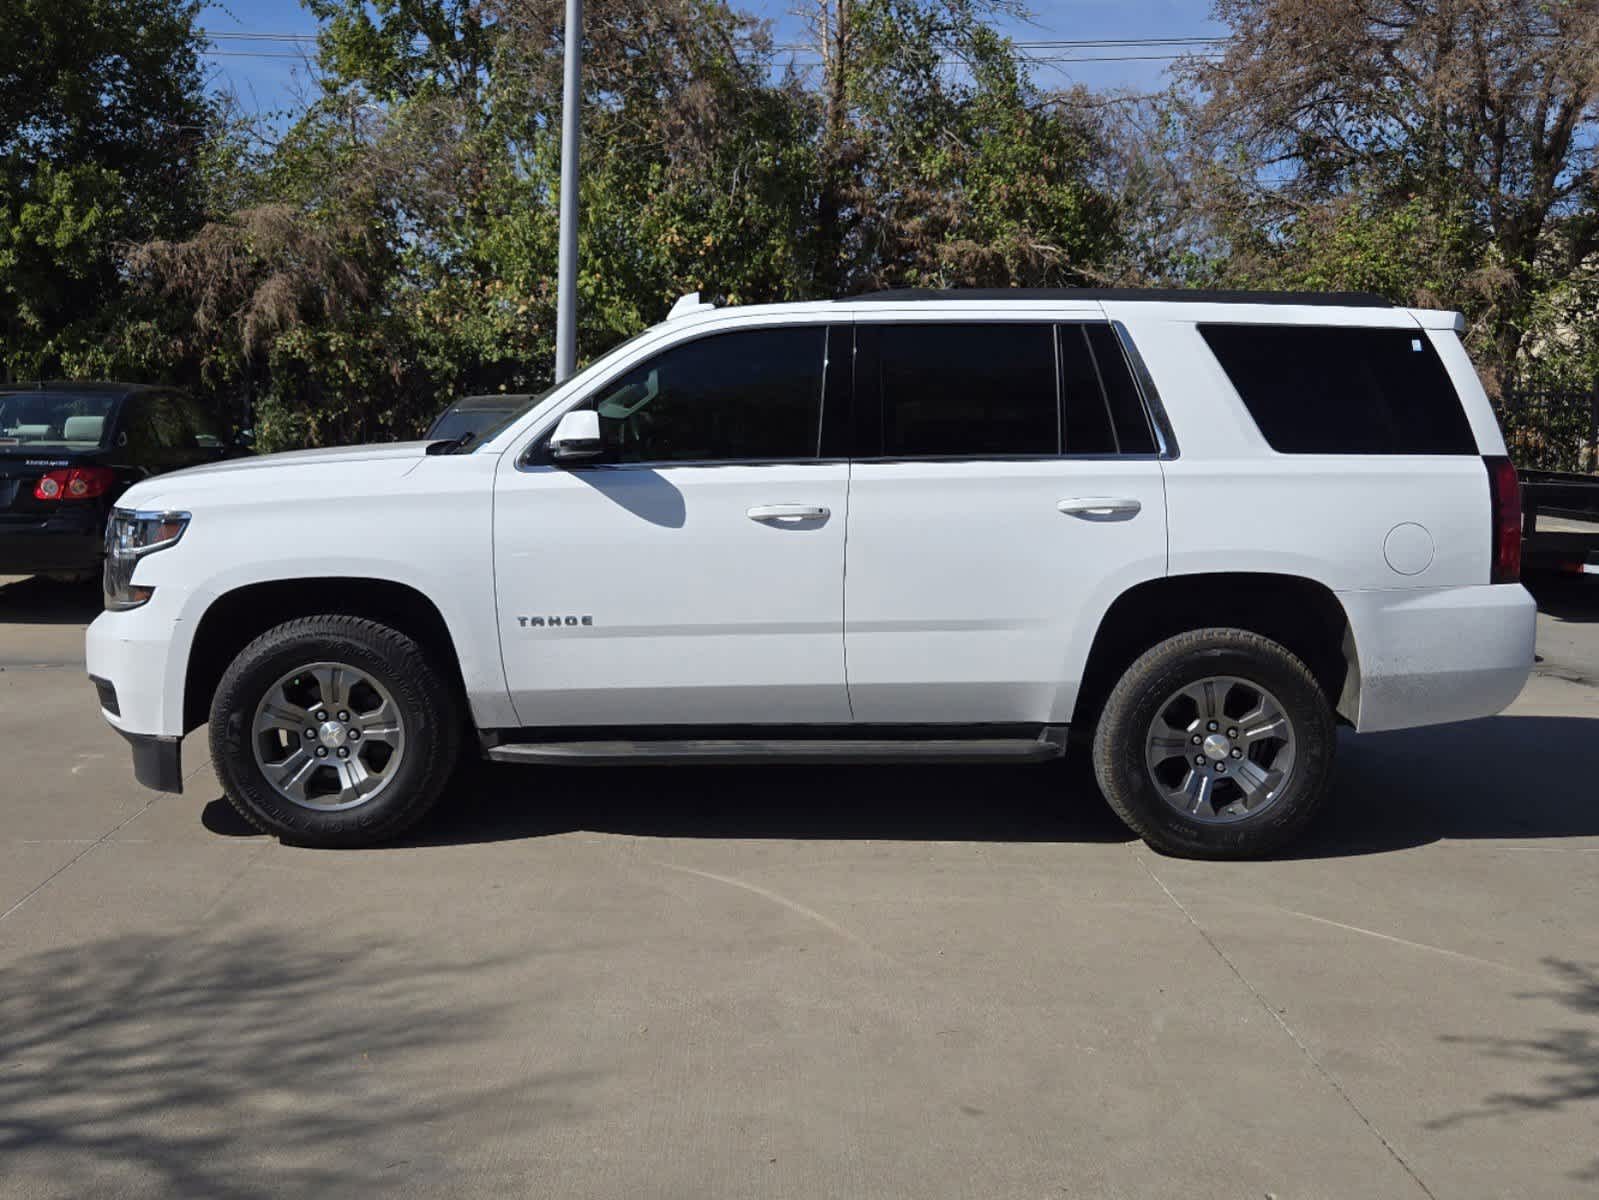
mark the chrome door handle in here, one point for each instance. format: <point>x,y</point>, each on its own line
<point>1100,506</point>
<point>788,512</point>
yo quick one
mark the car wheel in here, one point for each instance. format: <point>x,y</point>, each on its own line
<point>334,731</point>
<point>1217,743</point>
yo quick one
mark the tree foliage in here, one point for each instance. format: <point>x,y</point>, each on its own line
<point>1439,151</point>
<point>102,126</point>
<point>343,273</point>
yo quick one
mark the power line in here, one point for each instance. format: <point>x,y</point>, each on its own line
<point>799,47</point>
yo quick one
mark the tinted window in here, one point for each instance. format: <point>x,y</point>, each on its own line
<point>968,390</point>
<point>755,394</point>
<point>203,429</point>
<point>1088,428</point>
<point>1133,434</point>
<point>152,424</point>
<point>72,419</point>
<point>1343,391</point>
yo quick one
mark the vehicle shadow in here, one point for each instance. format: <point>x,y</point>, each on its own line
<point>490,803</point>
<point>252,1065</point>
<point>1501,777</point>
<point>36,600</point>
<point>1514,777</point>
<point>1566,599</point>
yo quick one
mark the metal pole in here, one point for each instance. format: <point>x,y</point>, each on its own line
<point>566,283</point>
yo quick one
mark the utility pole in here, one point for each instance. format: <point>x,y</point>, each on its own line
<point>566,281</point>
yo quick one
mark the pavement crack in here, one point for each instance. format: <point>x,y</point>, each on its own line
<point>1326,1075</point>
<point>793,906</point>
<point>80,855</point>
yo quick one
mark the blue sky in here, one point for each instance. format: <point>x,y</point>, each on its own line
<point>266,74</point>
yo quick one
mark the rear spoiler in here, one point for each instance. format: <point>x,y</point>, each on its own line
<point>1435,318</point>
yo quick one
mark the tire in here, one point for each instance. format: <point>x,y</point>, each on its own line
<point>382,685</point>
<point>1262,804</point>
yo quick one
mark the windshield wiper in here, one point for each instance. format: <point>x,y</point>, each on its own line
<point>453,445</point>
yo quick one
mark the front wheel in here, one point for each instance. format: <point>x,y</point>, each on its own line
<point>1216,744</point>
<point>334,731</point>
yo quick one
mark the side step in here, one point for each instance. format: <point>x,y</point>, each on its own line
<point>784,751</point>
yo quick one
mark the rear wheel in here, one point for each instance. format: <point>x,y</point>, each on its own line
<point>334,731</point>
<point>1216,744</point>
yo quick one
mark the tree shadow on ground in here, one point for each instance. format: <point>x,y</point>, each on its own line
<point>1568,1058</point>
<point>253,1067</point>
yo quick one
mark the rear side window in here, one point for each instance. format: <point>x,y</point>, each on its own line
<point>966,390</point>
<point>1321,390</point>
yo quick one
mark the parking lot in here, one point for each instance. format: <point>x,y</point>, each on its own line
<point>819,982</point>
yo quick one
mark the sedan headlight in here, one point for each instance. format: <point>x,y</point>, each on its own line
<point>129,536</point>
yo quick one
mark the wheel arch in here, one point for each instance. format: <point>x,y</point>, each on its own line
<point>238,617</point>
<point>1302,614</point>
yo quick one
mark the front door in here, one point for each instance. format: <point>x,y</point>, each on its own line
<point>1011,491</point>
<point>693,575</point>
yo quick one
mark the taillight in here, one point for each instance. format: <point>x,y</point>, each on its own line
<point>1505,490</point>
<point>75,483</point>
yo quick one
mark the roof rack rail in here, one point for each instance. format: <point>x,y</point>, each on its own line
<point>690,303</point>
<point>1165,295</point>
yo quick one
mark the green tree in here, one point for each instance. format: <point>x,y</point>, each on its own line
<point>1440,151</point>
<point>102,121</point>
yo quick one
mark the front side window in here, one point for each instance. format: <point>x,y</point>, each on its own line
<point>749,395</point>
<point>1337,390</point>
<point>966,390</point>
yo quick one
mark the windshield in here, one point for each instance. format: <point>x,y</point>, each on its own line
<point>455,422</point>
<point>67,420</point>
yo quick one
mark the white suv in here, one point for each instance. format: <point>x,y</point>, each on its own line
<point>1202,529</point>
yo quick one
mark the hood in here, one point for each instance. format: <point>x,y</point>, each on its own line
<point>302,458</point>
<point>268,474</point>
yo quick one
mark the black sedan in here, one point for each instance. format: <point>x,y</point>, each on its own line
<point>68,450</point>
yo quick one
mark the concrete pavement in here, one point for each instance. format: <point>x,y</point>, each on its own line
<point>822,982</point>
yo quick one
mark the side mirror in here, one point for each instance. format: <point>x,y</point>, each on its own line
<point>577,437</point>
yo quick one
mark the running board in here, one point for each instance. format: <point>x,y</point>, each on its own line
<point>784,751</point>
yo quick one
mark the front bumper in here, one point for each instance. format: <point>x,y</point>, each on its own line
<point>136,660</point>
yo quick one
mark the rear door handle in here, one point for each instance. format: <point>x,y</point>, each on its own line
<point>788,512</point>
<point>1100,506</point>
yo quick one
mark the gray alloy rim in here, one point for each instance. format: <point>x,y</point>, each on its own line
<point>328,736</point>
<point>1221,749</point>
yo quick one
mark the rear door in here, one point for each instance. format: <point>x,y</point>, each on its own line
<point>1009,487</point>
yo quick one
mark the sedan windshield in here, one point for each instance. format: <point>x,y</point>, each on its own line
<point>68,420</point>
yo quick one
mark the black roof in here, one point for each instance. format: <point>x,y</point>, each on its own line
<point>1189,295</point>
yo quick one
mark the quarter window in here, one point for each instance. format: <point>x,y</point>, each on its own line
<point>753,394</point>
<point>1334,390</point>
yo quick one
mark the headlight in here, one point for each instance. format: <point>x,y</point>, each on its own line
<point>129,536</point>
